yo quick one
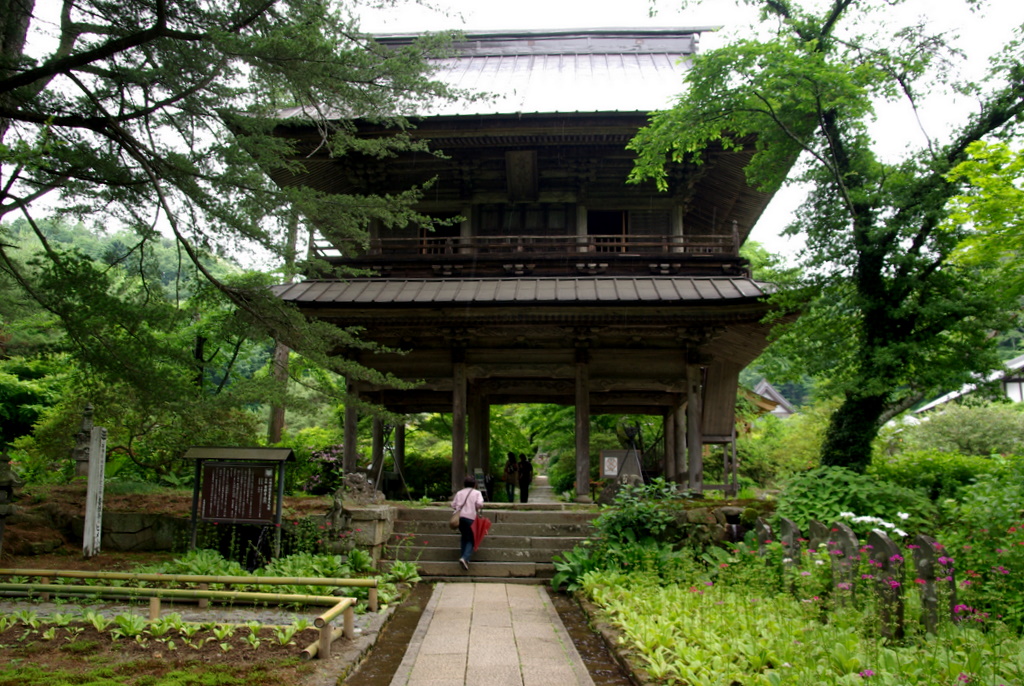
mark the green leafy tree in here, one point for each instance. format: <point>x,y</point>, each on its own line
<point>887,315</point>
<point>160,116</point>
<point>992,205</point>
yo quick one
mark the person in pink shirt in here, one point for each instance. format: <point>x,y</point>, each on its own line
<point>468,503</point>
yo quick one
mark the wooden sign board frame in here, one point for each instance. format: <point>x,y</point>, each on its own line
<point>236,486</point>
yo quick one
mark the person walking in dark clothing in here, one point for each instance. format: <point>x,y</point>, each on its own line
<point>467,503</point>
<point>511,472</point>
<point>525,470</point>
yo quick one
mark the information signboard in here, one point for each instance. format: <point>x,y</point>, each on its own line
<point>238,493</point>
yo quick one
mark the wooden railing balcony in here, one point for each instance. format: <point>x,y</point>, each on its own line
<point>503,247</point>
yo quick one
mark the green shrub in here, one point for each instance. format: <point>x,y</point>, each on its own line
<point>940,474</point>
<point>561,472</point>
<point>640,512</point>
<point>825,492</point>
<point>428,475</point>
<point>775,449</point>
<point>990,429</point>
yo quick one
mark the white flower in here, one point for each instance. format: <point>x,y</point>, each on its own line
<point>819,562</point>
<point>846,515</point>
<point>787,560</point>
<point>903,515</point>
<point>899,532</point>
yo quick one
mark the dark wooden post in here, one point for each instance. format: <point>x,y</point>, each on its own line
<point>582,424</point>
<point>680,414</point>
<point>668,421</point>
<point>377,454</point>
<point>458,420</point>
<point>475,429</point>
<point>485,436</point>
<point>694,437</point>
<point>400,447</point>
<point>349,451</point>
<point>887,563</point>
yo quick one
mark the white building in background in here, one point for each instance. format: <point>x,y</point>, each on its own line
<point>1011,379</point>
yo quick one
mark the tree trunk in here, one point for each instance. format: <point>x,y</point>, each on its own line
<point>853,427</point>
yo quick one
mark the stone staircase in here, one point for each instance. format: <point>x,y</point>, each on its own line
<point>518,549</point>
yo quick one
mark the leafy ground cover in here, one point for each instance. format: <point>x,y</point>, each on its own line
<point>712,634</point>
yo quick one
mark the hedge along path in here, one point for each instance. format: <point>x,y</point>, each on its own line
<point>322,622</point>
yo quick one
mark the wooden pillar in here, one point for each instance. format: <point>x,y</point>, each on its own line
<point>377,453</point>
<point>668,462</point>
<point>581,227</point>
<point>694,439</point>
<point>677,229</point>
<point>458,423</point>
<point>680,455</point>
<point>400,447</point>
<point>485,435</point>
<point>475,428</point>
<point>350,454</point>
<point>582,425</point>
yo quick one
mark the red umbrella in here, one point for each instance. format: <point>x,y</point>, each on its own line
<point>481,525</point>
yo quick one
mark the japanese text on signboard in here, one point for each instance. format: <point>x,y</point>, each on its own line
<point>238,493</point>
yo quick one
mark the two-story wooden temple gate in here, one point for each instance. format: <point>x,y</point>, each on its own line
<point>560,282</point>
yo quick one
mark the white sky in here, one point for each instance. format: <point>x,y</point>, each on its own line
<point>979,34</point>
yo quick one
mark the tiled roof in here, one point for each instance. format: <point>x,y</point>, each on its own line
<point>597,70</point>
<point>538,291</point>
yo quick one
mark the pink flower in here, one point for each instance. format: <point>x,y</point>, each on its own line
<point>920,581</point>
<point>867,673</point>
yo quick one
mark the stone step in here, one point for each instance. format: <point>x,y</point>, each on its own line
<point>494,570</point>
<point>436,528</point>
<point>517,516</point>
<point>486,553</point>
<point>450,539</point>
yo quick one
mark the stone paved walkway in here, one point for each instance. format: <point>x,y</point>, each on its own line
<point>491,635</point>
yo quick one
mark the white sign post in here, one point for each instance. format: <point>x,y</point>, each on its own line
<point>93,531</point>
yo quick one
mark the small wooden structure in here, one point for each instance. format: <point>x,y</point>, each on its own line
<point>558,281</point>
<point>239,486</point>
